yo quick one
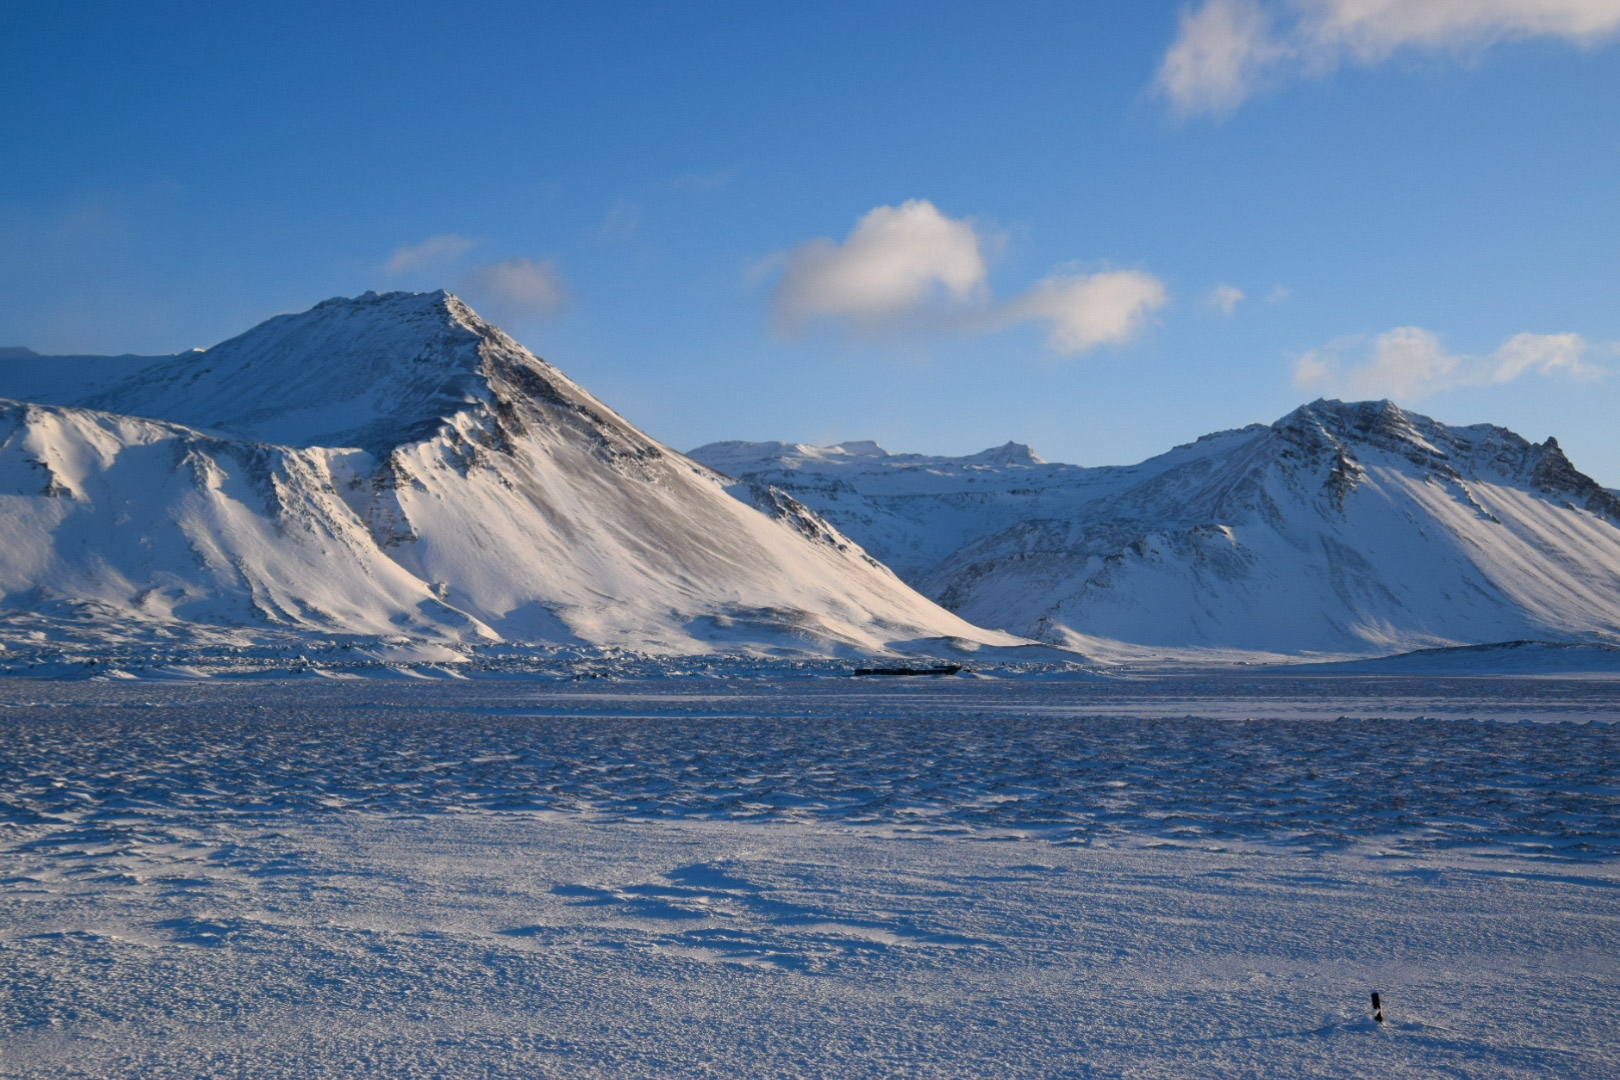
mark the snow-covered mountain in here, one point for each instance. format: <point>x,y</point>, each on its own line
<point>1340,528</point>
<point>394,465</point>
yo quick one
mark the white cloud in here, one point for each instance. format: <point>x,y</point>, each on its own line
<point>1409,362</point>
<point>1086,311</point>
<point>896,262</point>
<point>1371,30</point>
<point>518,286</point>
<point>1278,294</point>
<point>912,265</point>
<point>1227,49</point>
<point>1544,354</point>
<point>434,251</point>
<point>1224,299</point>
<point>1221,54</point>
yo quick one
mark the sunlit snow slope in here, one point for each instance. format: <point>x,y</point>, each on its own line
<point>395,465</point>
<point>1342,527</point>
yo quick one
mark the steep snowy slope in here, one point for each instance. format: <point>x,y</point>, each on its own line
<point>393,464</point>
<point>133,521</point>
<point>1342,527</point>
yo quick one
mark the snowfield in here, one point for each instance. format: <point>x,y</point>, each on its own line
<point>788,875</point>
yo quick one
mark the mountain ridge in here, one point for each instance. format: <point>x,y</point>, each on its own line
<point>393,464</point>
<point>1341,527</point>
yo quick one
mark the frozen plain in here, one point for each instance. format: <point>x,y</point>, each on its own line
<point>1193,876</point>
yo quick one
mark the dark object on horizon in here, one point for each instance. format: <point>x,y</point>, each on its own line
<point>947,669</point>
<point>1378,1009</point>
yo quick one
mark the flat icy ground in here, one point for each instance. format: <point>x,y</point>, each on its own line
<point>810,878</point>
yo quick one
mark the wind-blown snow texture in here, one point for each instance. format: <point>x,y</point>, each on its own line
<point>393,465</point>
<point>1516,658</point>
<point>1341,528</point>
<point>816,878</point>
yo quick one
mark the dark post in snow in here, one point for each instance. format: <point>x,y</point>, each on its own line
<point>1378,1009</point>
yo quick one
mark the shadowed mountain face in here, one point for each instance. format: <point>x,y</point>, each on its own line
<point>393,465</point>
<point>1342,527</point>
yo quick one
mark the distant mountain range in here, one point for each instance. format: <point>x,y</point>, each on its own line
<point>1356,527</point>
<point>393,466</point>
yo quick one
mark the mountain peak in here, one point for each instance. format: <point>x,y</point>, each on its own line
<point>863,448</point>
<point>373,298</point>
<point>370,371</point>
<point>1340,426</point>
<point>1355,417</point>
<point>1008,453</point>
<point>1343,432</point>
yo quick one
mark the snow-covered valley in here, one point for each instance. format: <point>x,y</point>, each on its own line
<point>1193,877</point>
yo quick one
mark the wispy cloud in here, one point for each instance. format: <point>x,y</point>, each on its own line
<point>621,222</point>
<point>1085,311</point>
<point>435,251</point>
<point>1219,57</point>
<point>518,287</point>
<point>911,265</point>
<point>1224,299</point>
<point>1409,362</point>
<point>508,287</point>
<point>1226,50</point>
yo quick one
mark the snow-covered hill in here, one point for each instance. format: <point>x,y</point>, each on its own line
<point>1341,528</point>
<point>393,465</point>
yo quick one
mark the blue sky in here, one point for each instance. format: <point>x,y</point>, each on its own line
<point>1097,227</point>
